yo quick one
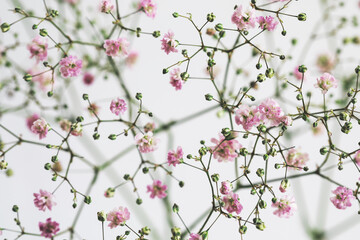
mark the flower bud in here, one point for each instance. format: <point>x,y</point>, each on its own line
<point>283,32</point>
<point>299,97</point>
<point>269,73</point>
<point>47,166</point>
<point>175,15</point>
<point>210,17</point>
<point>15,208</point>
<point>139,201</point>
<point>260,172</point>
<point>243,152</point>
<point>156,34</point>
<point>284,185</point>
<point>112,136</point>
<point>184,76</point>
<point>181,184</point>
<point>219,27</point>
<point>302,68</point>
<point>138,96</point>
<point>357,69</point>
<point>261,77</point>
<point>101,216</point>
<point>96,136</point>
<point>87,200</point>
<point>302,17</point>
<point>175,208</point>
<point>3,165</point>
<point>145,230</point>
<point>282,57</point>
<point>262,204</point>
<point>5,27</point>
<point>85,96</point>
<point>242,229</point>
<point>43,32</point>
<point>215,177</point>
<point>324,150</point>
<point>209,97</point>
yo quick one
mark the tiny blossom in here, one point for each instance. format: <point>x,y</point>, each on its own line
<point>149,127</point>
<point>285,207</point>
<point>269,23</point>
<point>286,120</point>
<point>43,80</point>
<point>118,106</point>
<point>357,157</point>
<point>88,78</point>
<point>31,119</point>
<point>40,127</point>
<point>70,66</point>
<point>109,193</point>
<point>247,116</point>
<point>175,79</point>
<point>271,112</point>
<point>244,19</point>
<point>168,43</point>
<point>146,142</point>
<point>343,197</point>
<point>106,6</point>
<point>115,48</point>
<point>325,62</point>
<point>298,75</point>
<point>232,203</point>
<point>296,159</point>
<point>174,157</point>
<point>73,2</point>
<point>49,228</point>
<point>157,189</point>
<point>225,150</point>
<point>44,200</point>
<point>65,125</point>
<point>195,236</point>
<point>76,129</point>
<point>149,7</point>
<point>131,58</point>
<point>284,185</point>
<point>118,217</point>
<point>38,48</point>
<point>93,109</point>
<point>325,82</point>
<point>226,187</point>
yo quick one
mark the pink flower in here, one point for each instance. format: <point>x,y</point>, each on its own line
<point>287,120</point>
<point>31,119</point>
<point>40,127</point>
<point>146,142</point>
<point>247,116</point>
<point>44,80</point>
<point>149,127</point>
<point>195,236</point>
<point>285,207</point>
<point>65,125</point>
<point>296,159</point>
<point>168,43</point>
<point>131,58</point>
<point>157,189</point>
<point>357,157</point>
<point>173,157</point>
<point>44,200</point>
<point>224,150</point>
<point>149,7</point>
<point>118,217</point>
<point>297,74</point>
<point>72,2</point>
<point>93,109</point>
<point>49,228</point>
<point>232,203</point>
<point>271,112</point>
<point>244,19</point>
<point>118,106</point>
<point>175,79</point>
<point>226,187</point>
<point>115,48</point>
<point>38,48</point>
<point>284,185</point>
<point>88,78</point>
<point>106,6</point>
<point>325,62</point>
<point>343,197</point>
<point>70,66</point>
<point>76,129</point>
<point>268,23</point>
<point>325,82</point>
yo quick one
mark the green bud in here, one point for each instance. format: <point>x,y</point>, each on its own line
<point>80,119</point>
<point>302,17</point>
<point>269,73</point>
<point>302,68</point>
<point>252,191</point>
<point>175,15</point>
<point>126,177</point>
<point>175,208</point>
<point>242,229</point>
<point>3,165</point>
<point>54,159</point>
<point>35,26</point>
<point>209,97</point>
<point>181,184</point>
<point>85,96</point>
<point>277,165</point>
<point>299,97</point>
<point>357,69</point>
<point>15,208</point>
<point>5,27</point>
<point>262,204</point>
<point>145,170</point>
<point>189,156</point>
<point>261,128</point>
<point>145,231</point>
<point>344,116</point>
<point>219,27</point>
<point>260,226</point>
<point>175,231</point>
<point>87,200</point>
<point>204,235</point>
<point>261,77</point>
<point>260,172</point>
<point>47,166</point>
<point>258,66</point>
<point>139,201</point>
<point>27,77</point>
<point>112,136</point>
<point>274,200</point>
<point>215,177</point>
<point>243,152</point>
<point>315,124</point>
<point>9,172</point>
<point>184,76</point>
<point>202,151</point>
<point>96,136</point>
<point>283,33</point>
<point>211,62</point>
<point>324,150</point>
<point>74,205</point>
<point>156,34</point>
<point>50,93</point>
<point>101,216</point>
<point>43,32</point>
<point>282,57</point>
<point>210,17</point>
<point>138,96</point>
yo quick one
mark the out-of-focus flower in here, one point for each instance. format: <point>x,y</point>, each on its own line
<point>157,189</point>
<point>38,48</point>
<point>225,150</point>
<point>106,6</point>
<point>49,228</point>
<point>285,207</point>
<point>149,7</point>
<point>70,66</point>
<point>88,78</point>
<point>296,159</point>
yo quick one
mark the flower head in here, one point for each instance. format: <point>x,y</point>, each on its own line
<point>88,78</point>
<point>357,157</point>
<point>115,48</point>
<point>325,82</point>
<point>271,112</point>
<point>247,116</point>
<point>343,197</point>
<point>70,66</point>
<point>93,109</point>
<point>225,150</point>
<point>244,19</point>
<point>44,200</point>
<point>174,157</point>
<point>106,6</point>
<point>269,23</point>
<point>31,119</point>
<point>157,189</point>
<point>232,203</point>
<point>131,58</point>
<point>149,7</point>
<point>296,159</point>
<point>118,217</point>
<point>325,62</point>
<point>38,48</point>
<point>285,207</point>
<point>226,187</point>
<point>175,79</point>
<point>298,75</point>
<point>146,142</point>
<point>49,228</point>
<point>118,106</point>
<point>40,127</point>
<point>109,193</point>
<point>195,236</point>
<point>168,43</point>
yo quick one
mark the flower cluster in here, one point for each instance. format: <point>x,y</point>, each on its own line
<point>269,23</point>
<point>49,228</point>
<point>38,48</point>
<point>285,207</point>
<point>106,6</point>
<point>174,157</point>
<point>343,197</point>
<point>325,82</point>
<point>40,127</point>
<point>168,43</point>
<point>157,189</point>
<point>118,47</point>
<point>44,200</point>
<point>225,150</point>
<point>268,112</point>
<point>149,7</point>
<point>118,217</point>
<point>232,203</point>
<point>146,142</point>
<point>226,187</point>
<point>118,106</point>
<point>296,159</point>
<point>175,79</point>
<point>244,18</point>
<point>70,66</point>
